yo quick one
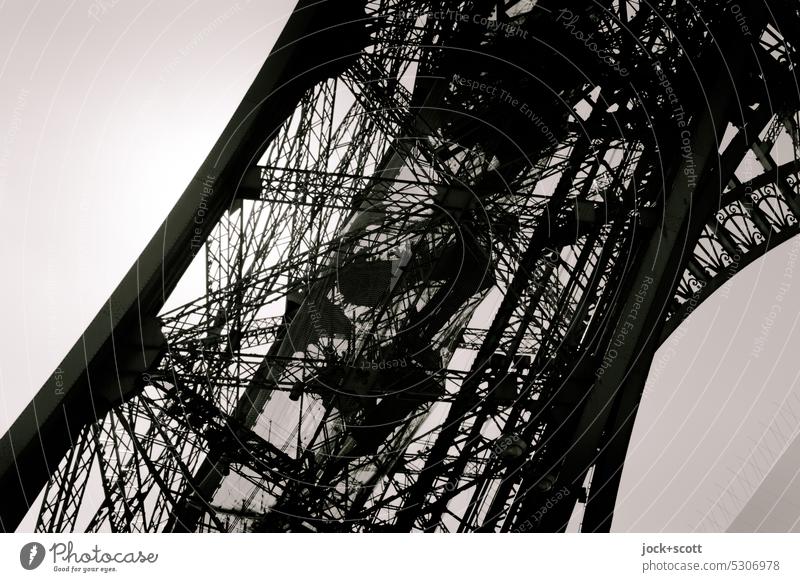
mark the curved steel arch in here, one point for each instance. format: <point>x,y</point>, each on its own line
<point>725,249</point>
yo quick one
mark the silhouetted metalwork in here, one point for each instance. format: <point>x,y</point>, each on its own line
<point>441,248</point>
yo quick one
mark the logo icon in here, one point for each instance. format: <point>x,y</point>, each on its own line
<point>31,555</point>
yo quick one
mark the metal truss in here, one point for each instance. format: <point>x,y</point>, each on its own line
<point>414,296</point>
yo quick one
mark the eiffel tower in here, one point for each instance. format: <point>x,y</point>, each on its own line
<point>442,242</point>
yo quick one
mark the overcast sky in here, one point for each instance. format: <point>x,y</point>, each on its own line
<point>108,107</point>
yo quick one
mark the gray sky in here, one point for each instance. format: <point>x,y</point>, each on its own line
<point>717,412</point>
<point>107,108</point>
<point>103,122</point>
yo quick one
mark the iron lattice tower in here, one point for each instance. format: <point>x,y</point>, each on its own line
<point>442,242</point>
